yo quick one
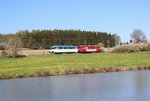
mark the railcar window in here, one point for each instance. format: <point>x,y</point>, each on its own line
<point>53,48</point>
<point>63,47</point>
<point>72,47</point>
<point>66,47</point>
<point>60,48</point>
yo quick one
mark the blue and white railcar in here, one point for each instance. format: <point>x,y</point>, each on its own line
<point>63,49</point>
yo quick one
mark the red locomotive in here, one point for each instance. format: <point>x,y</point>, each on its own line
<point>89,49</point>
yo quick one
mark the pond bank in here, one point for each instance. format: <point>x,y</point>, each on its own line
<point>74,71</point>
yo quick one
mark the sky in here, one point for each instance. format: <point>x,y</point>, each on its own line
<point>111,16</point>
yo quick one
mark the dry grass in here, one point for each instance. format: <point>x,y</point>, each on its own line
<point>106,50</point>
<point>138,47</point>
<point>30,52</point>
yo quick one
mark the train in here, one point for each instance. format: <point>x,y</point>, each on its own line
<point>58,49</point>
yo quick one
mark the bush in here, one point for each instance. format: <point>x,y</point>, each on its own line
<point>148,47</point>
<point>131,48</point>
<point>2,47</point>
<point>4,53</point>
<point>100,44</point>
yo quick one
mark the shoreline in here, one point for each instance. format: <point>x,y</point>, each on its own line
<point>74,71</point>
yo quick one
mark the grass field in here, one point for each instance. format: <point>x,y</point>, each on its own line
<point>52,64</point>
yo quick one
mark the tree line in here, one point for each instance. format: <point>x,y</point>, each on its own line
<point>36,39</point>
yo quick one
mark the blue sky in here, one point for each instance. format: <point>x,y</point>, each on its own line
<point>112,16</point>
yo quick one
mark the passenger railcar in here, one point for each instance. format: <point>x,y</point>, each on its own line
<point>63,49</point>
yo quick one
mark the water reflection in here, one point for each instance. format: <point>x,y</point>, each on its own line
<point>141,84</point>
<point>125,86</point>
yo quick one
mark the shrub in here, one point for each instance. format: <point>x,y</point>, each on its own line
<point>131,48</point>
<point>14,45</point>
<point>4,53</point>
<point>2,47</point>
<point>100,44</point>
<point>147,48</point>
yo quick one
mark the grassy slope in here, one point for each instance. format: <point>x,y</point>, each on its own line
<point>51,63</point>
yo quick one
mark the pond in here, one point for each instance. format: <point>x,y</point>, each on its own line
<point>117,86</point>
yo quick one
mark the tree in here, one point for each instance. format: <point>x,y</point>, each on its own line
<point>138,36</point>
<point>14,45</point>
<point>46,38</point>
<point>117,39</point>
<point>24,36</point>
<point>33,43</point>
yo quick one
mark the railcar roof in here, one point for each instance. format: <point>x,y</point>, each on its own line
<point>63,46</point>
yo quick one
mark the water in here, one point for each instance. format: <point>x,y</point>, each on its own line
<point>125,86</point>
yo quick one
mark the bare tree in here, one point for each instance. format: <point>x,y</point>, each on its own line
<point>138,36</point>
<point>14,45</point>
<point>117,39</point>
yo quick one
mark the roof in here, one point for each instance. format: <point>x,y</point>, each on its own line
<point>63,46</point>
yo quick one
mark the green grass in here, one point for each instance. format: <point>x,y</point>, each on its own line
<point>56,63</point>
